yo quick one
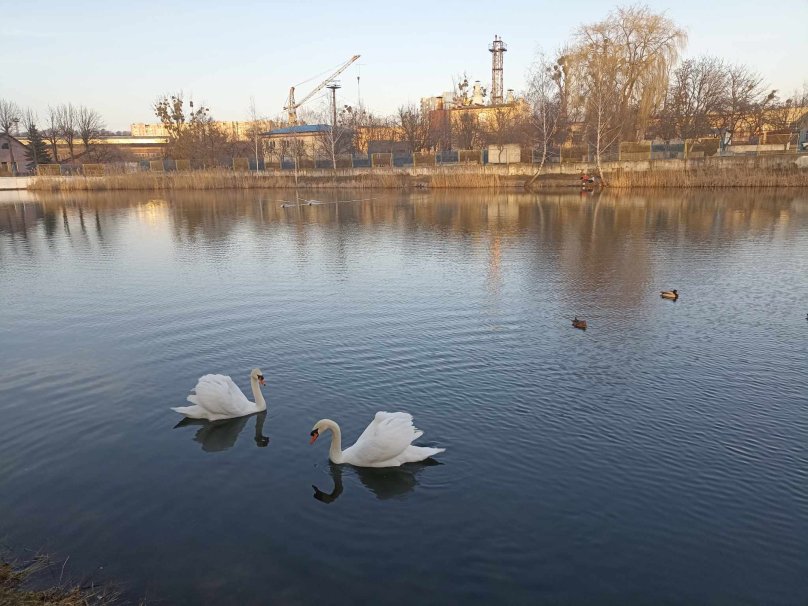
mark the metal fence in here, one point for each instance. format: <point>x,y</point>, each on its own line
<point>627,152</point>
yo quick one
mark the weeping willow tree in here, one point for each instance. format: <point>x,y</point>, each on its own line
<point>632,53</point>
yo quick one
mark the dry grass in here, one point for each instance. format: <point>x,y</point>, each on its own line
<point>710,178</point>
<point>13,591</point>
<point>228,179</point>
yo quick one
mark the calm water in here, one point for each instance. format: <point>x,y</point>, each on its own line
<point>660,457</point>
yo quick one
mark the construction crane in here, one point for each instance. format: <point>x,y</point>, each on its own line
<point>292,105</point>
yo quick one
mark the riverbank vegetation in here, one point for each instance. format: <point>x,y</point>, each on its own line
<point>16,580</point>
<point>228,179</point>
<point>710,178</point>
<point>734,176</point>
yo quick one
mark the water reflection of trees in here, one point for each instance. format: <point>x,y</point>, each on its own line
<point>587,235</point>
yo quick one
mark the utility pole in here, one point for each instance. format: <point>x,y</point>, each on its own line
<point>333,86</point>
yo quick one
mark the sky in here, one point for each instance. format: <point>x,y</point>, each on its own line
<point>118,57</point>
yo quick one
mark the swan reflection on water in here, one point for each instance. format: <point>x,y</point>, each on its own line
<point>216,436</point>
<point>384,482</point>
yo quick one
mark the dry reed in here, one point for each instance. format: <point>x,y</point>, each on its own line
<point>227,179</point>
<point>13,591</point>
<point>710,178</point>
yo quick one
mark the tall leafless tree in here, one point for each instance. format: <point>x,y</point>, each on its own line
<point>603,114</point>
<point>695,98</point>
<point>639,48</point>
<point>88,125</point>
<point>414,125</point>
<point>744,89</point>
<point>51,132</point>
<point>67,126</point>
<point>467,132</point>
<point>258,125</point>
<point>544,98</point>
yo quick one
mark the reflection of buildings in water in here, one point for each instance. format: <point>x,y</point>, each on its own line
<point>217,436</point>
<point>384,482</point>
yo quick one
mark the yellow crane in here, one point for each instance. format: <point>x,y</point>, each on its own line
<point>292,105</point>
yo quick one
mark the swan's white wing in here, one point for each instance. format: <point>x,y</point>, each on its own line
<point>220,396</point>
<point>385,438</point>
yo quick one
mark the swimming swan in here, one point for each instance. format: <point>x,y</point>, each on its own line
<point>387,442</point>
<point>218,397</point>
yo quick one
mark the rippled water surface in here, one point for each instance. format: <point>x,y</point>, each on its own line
<point>660,457</point>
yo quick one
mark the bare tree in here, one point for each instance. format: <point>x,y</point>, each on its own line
<point>467,132</point>
<point>67,126</point>
<point>504,126</point>
<point>603,114</point>
<point>9,118</point>
<point>744,89</point>
<point>88,125</point>
<point>695,97</point>
<point>414,125</point>
<point>337,138</point>
<point>639,48</point>
<point>545,106</point>
<point>258,125</point>
<point>192,134</point>
<point>52,131</point>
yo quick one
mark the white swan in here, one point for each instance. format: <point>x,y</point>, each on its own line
<point>387,442</point>
<point>218,397</point>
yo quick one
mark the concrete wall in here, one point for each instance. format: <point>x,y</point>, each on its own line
<point>567,168</point>
<point>12,183</point>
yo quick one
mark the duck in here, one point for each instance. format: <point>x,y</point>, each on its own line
<point>669,294</point>
<point>386,442</point>
<point>576,323</point>
<point>218,397</point>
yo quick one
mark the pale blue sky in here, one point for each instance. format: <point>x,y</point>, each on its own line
<point>119,56</point>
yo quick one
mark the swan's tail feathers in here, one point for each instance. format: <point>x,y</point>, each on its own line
<point>192,412</point>
<point>413,454</point>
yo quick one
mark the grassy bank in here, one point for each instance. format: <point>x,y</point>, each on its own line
<point>14,591</point>
<point>702,178</point>
<point>473,178</point>
<point>227,179</point>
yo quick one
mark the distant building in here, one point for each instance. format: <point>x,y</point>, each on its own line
<point>238,131</point>
<point>301,141</point>
<point>12,147</point>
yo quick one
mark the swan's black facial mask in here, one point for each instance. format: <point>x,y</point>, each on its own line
<point>315,433</point>
<point>261,379</point>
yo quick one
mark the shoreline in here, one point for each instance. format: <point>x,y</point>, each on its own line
<point>401,179</point>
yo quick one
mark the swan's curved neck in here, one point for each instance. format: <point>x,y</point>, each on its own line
<point>259,397</point>
<point>335,452</point>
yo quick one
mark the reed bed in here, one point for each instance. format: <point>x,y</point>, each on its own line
<point>228,179</point>
<point>14,592</point>
<point>710,178</point>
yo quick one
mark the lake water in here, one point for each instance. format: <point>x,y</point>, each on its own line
<point>659,457</point>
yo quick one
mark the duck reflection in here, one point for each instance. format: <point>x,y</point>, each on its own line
<point>216,436</point>
<point>385,482</point>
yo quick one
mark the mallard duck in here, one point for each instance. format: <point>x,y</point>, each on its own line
<point>669,294</point>
<point>576,323</point>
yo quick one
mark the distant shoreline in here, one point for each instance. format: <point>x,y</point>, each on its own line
<point>714,172</point>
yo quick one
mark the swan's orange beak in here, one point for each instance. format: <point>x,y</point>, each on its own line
<point>314,435</point>
<point>261,380</point>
